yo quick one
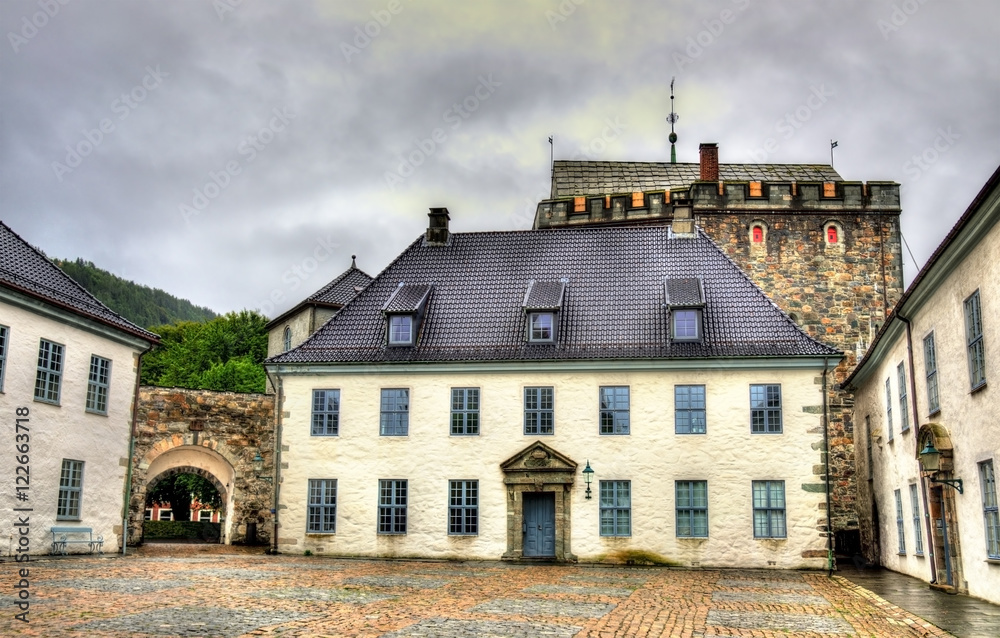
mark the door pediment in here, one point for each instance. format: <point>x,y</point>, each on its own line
<point>539,458</point>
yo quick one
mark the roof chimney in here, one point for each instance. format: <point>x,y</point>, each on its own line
<point>709,152</point>
<point>437,227</point>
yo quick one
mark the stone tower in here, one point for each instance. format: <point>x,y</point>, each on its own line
<point>826,250</point>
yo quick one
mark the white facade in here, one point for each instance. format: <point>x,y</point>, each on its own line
<point>651,457</point>
<point>963,426</point>
<point>63,430</point>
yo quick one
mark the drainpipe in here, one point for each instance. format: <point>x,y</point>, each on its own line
<point>131,448</point>
<point>916,441</point>
<point>826,447</point>
<point>278,400</point>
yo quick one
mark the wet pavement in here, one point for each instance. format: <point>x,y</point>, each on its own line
<point>963,616</point>
<point>167,591</point>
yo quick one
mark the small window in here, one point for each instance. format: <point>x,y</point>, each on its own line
<point>638,200</point>
<point>918,537</point>
<point>326,413</point>
<point>395,417</point>
<point>692,509</point>
<point>538,411</point>
<point>4,331</point>
<point>831,235</point>
<point>392,506</point>
<point>463,508</point>
<point>765,409</point>
<point>899,523</point>
<point>204,516</point>
<point>148,516</point>
<point>579,204</point>
<point>165,515</point>
<point>614,409</point>
<point>991,514</point>
<point>904,405</point>
<point>401,330</point>
<point>756,189</point>
<point>689,409</point>
<point>322,507</point>
<point>464,411</point>
<point>97,385</point>
<point>758,234</point>
<point>888,408</point>
<point>930,369</point>
<point>70,490</point>
<point>686,324</point>
<point>49,375</point>
<point>616,508</point>
<point>287,339</point>
<point>541,328</point>
<point>769,509</point>
<point>974,341</point>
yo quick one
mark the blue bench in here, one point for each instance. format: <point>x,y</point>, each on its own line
<point>61,539</point>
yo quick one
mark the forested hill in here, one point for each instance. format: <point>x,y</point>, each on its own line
<point>142,305</point>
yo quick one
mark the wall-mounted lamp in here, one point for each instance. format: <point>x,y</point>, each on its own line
<point>930,462</point>
<point>258,466</point>
<point>588,477</point>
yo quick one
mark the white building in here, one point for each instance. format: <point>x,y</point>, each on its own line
<point>68,370</point>
<point>923,386</point>
<point>451,408</point>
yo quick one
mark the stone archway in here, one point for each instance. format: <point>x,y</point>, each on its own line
<point>942,508</point>
<point>216,435</point>
<point>543,478</point>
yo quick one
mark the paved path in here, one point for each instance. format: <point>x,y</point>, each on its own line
<point>155,594</point>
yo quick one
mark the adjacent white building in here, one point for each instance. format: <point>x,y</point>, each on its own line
<point>924,386</point>
<point>68,370</point>
<point>577,394</point>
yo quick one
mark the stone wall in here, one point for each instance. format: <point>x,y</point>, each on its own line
<point>216,435</point>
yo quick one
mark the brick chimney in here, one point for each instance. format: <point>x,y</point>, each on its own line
<point>709,153</point>
<point>437,227</point>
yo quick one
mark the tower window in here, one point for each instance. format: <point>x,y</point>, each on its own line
<point>831,235</point>
<point>758,234</point>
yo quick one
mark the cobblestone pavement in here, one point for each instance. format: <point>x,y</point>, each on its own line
<point>154,593</point>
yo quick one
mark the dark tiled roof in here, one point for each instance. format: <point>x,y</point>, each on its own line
<point>544,295</point>
<point>27,270</point>
<point>407,298</point>
<point>613,307</point>
<point>572,177</point>
<point>343,288</point>
<point>685,291</point>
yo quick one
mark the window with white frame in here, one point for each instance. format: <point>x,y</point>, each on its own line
<point>692,508</point>
<point>49,376</point>
<point>899,522</point>
<point>904,404</point>
<point>616,508</point>
<point>769,509</point>
<point>689,409</point>
<point>918,537</point>
<point>97,384</point>
<point>4,337</point>
<point>394,419</point>
<point>930,369</point>
<point>685,324</point>
<point>204,516</point>
<point>322,507</point>
<point>164,515</point>
<point>974,340</point>
<point>401,330</point>
<point>614,409</point>
<point>392,506</point>
<point>765,409</point>
<point>888,408</point>
<point>463,507</point>
<point>541,327</point>
<point>325,413</point>
<point>148,516</point>
<point>538,411</point>
<point>464,411</point>
<point>70,490</point>
<point>286,339</point>
<point>991,516</point>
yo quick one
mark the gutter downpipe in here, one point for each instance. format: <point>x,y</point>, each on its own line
<point>131,448</point>
<point>916,439</point>
<point>826,448</point>
<point>278,399</point>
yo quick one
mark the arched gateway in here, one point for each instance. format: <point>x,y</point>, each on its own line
<point>216,435</point>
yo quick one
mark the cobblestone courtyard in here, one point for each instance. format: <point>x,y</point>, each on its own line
<point>205,594</point>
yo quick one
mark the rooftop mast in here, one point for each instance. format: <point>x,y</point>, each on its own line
<point>673,117</point>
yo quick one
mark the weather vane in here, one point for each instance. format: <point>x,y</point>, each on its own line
<point>673,117</point>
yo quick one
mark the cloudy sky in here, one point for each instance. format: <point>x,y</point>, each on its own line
<point>237,152</point>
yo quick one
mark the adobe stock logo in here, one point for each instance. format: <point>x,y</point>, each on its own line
<point>29,27</point>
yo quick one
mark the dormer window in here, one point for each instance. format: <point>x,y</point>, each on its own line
<point>404,311</point>
<point>542,302</point>
<point>685,301</point>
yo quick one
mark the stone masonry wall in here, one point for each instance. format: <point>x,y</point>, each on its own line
<point>215,434</point>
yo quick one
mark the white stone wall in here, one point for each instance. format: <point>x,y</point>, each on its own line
<point>970,417</point>
<point>66,431</point>
<point>652,457</point>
